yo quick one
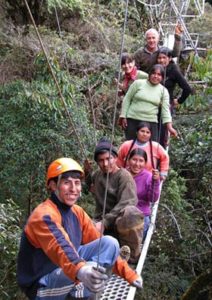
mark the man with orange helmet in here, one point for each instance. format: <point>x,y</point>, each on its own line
<point>60,256</point>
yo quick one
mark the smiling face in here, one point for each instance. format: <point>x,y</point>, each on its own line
<point>163,59</point>
<point>152,40</point>
<point>143,134</point>
<point>128,66</point>
<point>68,190</point>
<point>136,164</point>
<point>155,77</point>
<point>107,162</point>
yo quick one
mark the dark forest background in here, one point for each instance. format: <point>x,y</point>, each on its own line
<point>82,40</point>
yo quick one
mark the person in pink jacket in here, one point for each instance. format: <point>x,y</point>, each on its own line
<point>157,157</point>
<point>147,184</point>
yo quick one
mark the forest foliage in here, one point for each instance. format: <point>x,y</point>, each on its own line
<point>37,127</point>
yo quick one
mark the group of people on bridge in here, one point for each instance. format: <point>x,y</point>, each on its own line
<point>64,254</point>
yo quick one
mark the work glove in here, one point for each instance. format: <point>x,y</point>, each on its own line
<point>93,278</point>
<point>138,283</point>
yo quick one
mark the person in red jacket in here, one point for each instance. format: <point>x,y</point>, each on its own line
<point>130,73</point>
<point>60,255</point>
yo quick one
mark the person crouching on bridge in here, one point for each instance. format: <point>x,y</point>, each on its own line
<point>60,249</point>
<point>122,219</point>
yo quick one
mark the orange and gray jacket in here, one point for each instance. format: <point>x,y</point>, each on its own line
<point>51,239</point>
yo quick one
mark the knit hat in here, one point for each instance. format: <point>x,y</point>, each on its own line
<point>104,145</point>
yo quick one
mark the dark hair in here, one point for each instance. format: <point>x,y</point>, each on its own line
<point>73,174</point>
<point>103,146</point>
<point>156,67</point>
<point>65,175</point>
<point>138,151</point>
<point>126,57</point>
<point>103,152</point>
<point>166,51</point>
<point>142,125</point>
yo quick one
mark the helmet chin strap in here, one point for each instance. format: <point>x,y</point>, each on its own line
<point>58,183</point>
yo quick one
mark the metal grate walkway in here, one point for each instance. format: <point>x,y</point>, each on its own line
<point>117,288</point>
<point>168,12</point>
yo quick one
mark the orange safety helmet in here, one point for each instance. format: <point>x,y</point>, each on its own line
<point>62,165</point>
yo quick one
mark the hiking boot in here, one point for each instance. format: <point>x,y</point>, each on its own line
<point>125,252</point>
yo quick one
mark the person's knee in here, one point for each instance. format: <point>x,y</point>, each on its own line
<point>110,251</point>
<point>131,216</point>
<point>146,222</point>
<point>110,241</point>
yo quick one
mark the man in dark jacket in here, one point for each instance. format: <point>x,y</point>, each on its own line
<point>146,57</point>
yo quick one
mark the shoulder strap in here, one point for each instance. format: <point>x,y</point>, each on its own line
<point>128,153</point>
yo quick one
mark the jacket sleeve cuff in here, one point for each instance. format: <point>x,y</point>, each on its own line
<point>167,120</point>
<point>122,116</point>
<point>163,173</point>
<point>178,37</point>
<point>77,267</point>
<point>106,223</point>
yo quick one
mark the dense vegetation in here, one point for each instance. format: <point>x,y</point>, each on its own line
<point>36,126</point>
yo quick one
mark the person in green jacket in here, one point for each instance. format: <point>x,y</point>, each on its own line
<point>142,102</point>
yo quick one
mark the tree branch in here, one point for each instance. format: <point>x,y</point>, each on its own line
<point>202,281</point>
<point>174,219</point>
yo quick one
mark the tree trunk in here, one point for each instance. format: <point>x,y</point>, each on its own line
<point>201,282</point>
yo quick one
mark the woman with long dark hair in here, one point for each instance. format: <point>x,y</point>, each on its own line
<point>173,77</point>
<point>157,157</point>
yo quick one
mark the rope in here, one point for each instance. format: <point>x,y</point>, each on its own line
<point>145,247</point>
<point>150,231</point>
<point>58,22</point>
<point>88,82</point>
<point>113,124</point>
<point>82,149</point>
<point>60,35</point>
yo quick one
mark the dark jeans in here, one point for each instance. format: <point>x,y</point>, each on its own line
<point>164,135</point>
<point>131,130</point>
<point>163,131</point>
